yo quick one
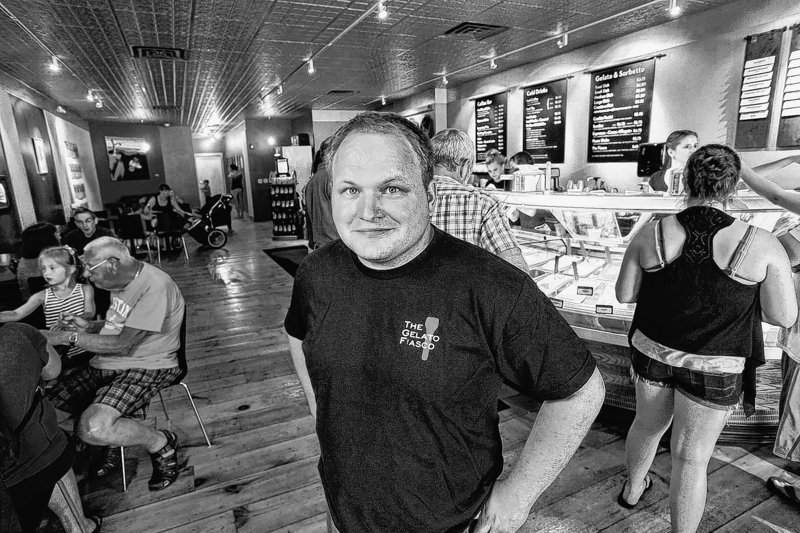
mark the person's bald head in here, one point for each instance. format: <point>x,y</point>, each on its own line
<point>109,264</point>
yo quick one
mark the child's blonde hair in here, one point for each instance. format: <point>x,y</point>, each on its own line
<point>64,256</point>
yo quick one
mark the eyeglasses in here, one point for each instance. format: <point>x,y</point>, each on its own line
<point>91,268</point>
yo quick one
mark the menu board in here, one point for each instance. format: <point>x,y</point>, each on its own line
<point>789,128</point>
<point>543,121</point>
<point>490,124</point>
<point>761,60</point>
<point>619,116</point>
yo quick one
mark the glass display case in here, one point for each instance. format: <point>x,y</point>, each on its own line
<point>574,243</point>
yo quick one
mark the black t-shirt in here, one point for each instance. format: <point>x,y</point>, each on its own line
<point>406,365</point>
<point>77,240</point>
<point>27,421</point>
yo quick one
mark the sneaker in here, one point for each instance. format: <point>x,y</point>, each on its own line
<point>165,463</point>
<point>110,463</point>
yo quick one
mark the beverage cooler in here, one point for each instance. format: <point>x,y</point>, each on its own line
<point>574,244</point>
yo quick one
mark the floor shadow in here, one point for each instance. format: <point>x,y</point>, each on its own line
<point>288,258</point>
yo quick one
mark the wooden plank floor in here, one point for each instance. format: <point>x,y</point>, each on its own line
<point>260,476</point>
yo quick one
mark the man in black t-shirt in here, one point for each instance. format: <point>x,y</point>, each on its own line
<point>87,230</point>
<point>402,335</point>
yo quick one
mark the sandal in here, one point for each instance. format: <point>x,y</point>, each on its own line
<point>165,463</point>
<point>785,488</point>
<point>98,523</point>
<point>648,484</point>
<point>110,463</point>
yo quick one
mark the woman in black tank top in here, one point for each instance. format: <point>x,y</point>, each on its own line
<point>696,334</point>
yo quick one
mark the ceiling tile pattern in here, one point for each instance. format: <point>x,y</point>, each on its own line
<point>238,51</point>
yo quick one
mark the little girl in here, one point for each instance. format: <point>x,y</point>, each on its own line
<point>59,268</point>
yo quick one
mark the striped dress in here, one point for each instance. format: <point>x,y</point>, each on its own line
<point>54,306</point>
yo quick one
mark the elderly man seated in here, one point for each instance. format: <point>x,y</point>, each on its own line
<point>136,349</point>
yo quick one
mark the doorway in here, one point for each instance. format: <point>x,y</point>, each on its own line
<point>210,167</point>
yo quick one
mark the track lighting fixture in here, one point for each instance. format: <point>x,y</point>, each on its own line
<point>54,66</point>
<point>383,100</point>
<point>90,95</point>
<point>311,69</point>
<point>563,41</point>
<point>492,64</point>
<point>674,9</point>
<point>99,104</point>
<point>444,80</point>
<point>280,89</point>
<point>382,13</point>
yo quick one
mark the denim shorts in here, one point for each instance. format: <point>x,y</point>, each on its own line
<point>717,391</point>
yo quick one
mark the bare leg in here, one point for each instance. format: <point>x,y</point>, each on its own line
<point>653,416</point>
<point>102,425</point>
<point>694,435</point>
<point>65,502</point>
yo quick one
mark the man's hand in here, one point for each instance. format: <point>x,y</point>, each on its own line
<point>69,322</point>
<point>503,512</point>
<point>56,338</point>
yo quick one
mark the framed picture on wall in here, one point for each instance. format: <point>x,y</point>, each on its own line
<point>127,158</point>
<point>39,154</point>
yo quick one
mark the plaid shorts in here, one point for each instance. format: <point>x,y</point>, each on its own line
<point>127,391</point>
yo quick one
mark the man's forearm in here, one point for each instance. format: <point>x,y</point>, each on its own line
<point>299,360</point>
<point>771,191</point>
<point>91,342</point>
<point>559,428</point>
<point>515,257</point>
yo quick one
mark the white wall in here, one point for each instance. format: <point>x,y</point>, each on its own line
<point>326,122</point>
<point>696,84</point>
<point>63,131</point>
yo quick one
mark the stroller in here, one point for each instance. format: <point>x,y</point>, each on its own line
<point>202,228</point>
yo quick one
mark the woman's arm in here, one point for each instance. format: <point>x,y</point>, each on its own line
<point>774,166</point>
<point>177,207</point>
<point>778,300</point>
<point>24,310</point>
<point>789,200</point>
<point>630,274</point>
<point>88,302</point>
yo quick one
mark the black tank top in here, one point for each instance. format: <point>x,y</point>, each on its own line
<point>158,208</point>
<point>694,306</point>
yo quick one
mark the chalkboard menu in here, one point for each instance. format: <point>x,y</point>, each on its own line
<point>621,98</point>
<point>543,121</point>
<point>789,128</point>
<point>761,59</point>
<point>490,124</point>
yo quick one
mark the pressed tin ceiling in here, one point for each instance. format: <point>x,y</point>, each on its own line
<point>238,51</point>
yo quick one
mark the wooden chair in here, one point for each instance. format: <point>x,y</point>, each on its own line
<point>181,353</point>
<point>170,225</point>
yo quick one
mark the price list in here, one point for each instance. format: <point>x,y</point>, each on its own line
<point>490,124</point>
<point>621,99</point>
<point>761,60</point>
<point>543,123</point>
<point>789,128</point>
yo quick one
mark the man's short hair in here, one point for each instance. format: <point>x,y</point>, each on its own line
<point>81,211</point>
<point>164,187</point>
<point>451,148</point>
<point>392,124</point>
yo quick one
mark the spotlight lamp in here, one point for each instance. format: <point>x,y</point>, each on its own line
<point>280,89</point>
<point>492,64</point>
<point>90,95</point>
<point>99,104</point>
<point>674,9</point>
<point>382,13</point>
<point>444,80</point>
<point>311,69</point>
<point>54,65</point>
<point>383,100</point>
<point>563,41</point>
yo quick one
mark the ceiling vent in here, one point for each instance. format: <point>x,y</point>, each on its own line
<point>474,31</point>
<point>340,92</point>
<point>158,52</point>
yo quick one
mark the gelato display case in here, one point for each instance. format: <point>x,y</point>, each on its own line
<point>574,244</point>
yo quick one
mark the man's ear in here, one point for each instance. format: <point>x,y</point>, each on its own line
<point>465,172</point>
<point>431,195</point>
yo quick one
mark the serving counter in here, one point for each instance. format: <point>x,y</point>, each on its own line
<point>574,243</point>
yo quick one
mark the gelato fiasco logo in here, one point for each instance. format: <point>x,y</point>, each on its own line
<point>421,335</point>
